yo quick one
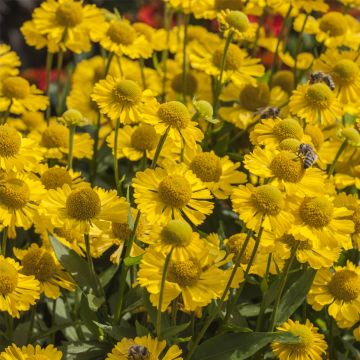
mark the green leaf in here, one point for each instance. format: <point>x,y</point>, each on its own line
<point>106,276</point>
<point>85,350</point>
<point>94,301</point>
<point>88,316</point>
<point>140,329</point>
<point>131,261</point>
<point>239,346</point>
<point>152,312</point>
<point>295,295</point>
<point>117,332</point>
<point>174,330</point>
<point>74,264</point>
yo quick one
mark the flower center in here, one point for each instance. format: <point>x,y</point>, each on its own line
<point>69,14</point>
<point>290,241</point>
<point>174,113</point>
<point>121,33</point>
<point>316,212</point>
<point>55,136</point>
<point>317,136</point>
<point>8,278</point>
<point>305,336</point>
<point>351,135</point>
<point>144,138</point>
<point>288,167</point>
<point>237,20</point>
<point>228,4</point>
<point>121,230</point>
<point>333,23</point>
<point>175,191</point>
<point>144,29</point>
<point>345,71</point>
<point>10,141</point>
<point>14,193</point>
<point>16,87</point>
<point>207,167</point>
<point>176,233</point>
<point>268,199</point>
<point>184,273</point>
<point>83,204</point>
<point>40,263</point>
<point>319,96</point>
<point>288,128</point>
<point>127,92</point>
<point>233,59</point>
<point>284,79</point>
<point>345,285</point>
<point>191,84</point>
<point>32,119</point>
<point>254,97</point>
<point>290,145</point>
<point>138,352</point>
<point>55,177</point>
<point>235,244</point>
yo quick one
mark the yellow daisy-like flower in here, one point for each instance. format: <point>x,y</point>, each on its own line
<point>144,347</point>
<point>220,175</point>
<point>263,205</point>
<point>285,79</point>
<point>9,62</point>
<point>14,352</point>
<point>17,291</point>
<point>209,9</point>
<point>340,290</point>
<point>287,171</point>
<point>237,23</point>
<point>318,220</point>
<point>33,37</point>
<point>198,279</point>
<point>42,263</point>
<point>19,200</point>
<point>315,103</point>
<point>120,37</point>
<point>174,117</point>
<point>79,208</point>
<point>344,69</point>
<point>172,193</point>
<point>68,24</point>
<point>16,152</point>
<point>18,96</point>
<point>29,121</point>
<point>121,99</point>
<point>311,345</point>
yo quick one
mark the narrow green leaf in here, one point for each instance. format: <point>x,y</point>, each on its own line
<point>174,330</point>
<point>140,329</point>
<point>88,316</point>
<point>94,302</point>
<point>239,346</point>
<point>106,276</point>
<point>117,332</point>
<point>131,261</point>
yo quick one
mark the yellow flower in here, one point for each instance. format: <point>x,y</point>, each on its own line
<point>29,121</point>
<point>67,24</point>
<point>72,117</point>
<point>237,23</point>
<point>42,263</point>
<point>172,193</point>
<point>284,79</point>
<point>287,171</point>
<point>120,37</point>
<point>17,96</point>
<point>264,204</point>
<point>82,207</point>
<point>209,9</point>
<point>19,200</point>
<point>340,290</point>
<point>315,103</point>
<point>9,62</point>
<point>220,175</point>
<point>33,37</point>
<point>121,99</point>
<point>17,291</point>
<point>311,344</point>
<point>144,347</point>
<point>13,352</point>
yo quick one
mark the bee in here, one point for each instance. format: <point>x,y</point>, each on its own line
<point>268,112</point>
<point>308,154</point>
<point>319,76</point>
<point>138,352</point>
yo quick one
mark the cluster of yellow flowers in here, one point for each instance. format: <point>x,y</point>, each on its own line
<point>194,179</point>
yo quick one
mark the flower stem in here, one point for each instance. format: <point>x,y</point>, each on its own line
<point>143,164</point>
<point>71,146</point>
<point>4,241</point>
<point>90,261</point>
<point>116,163</point>
<point>159,147</point>
<point>95,149</point>
<point>31,323</point>
<point>338,154</point>
<point>284,277</point>
<point>165,53</point>
<point>49,61</point>
<point>142,71</point>
<point>184,60</point>
<point>60,60</point>
<point>108,63</point>
<point>161,294</point>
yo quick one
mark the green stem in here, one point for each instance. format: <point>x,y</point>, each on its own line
<point>161,295</point>
<point>257,34</point>
<point>71,146</point>
<point>90,262</point>
<point>95,149</point>
<point>174,309</point>
<point>4,241</point>
<point>284,277</point>
<point>53,321</point>
<point>116,163</point>
<point>10,327</point>
<point>31,323</point>
<point>159,147</point>
<point>216,311</point>
<point>123,272</point>
<point>331,337</point>
<point>143,164</point>
<point>338,154</point>
<point>184,60</point>
<point>165,53</point>
<point>60,60</point>
<point>49,61</point>
<point>108,63</point>
<point>142,71</point>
